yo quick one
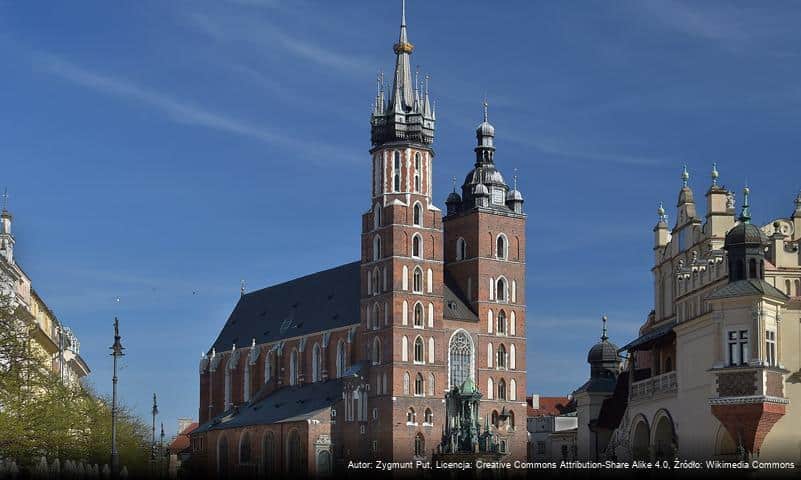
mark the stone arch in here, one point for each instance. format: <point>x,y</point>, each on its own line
<point>664,443</point>
<point>640,438</point>
<point>725,445</point>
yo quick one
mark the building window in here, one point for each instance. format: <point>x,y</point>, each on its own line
<point>540,448</point>
<point>396,173</point>
<point>417,170</point>
<point>227,387</point>
<point>490,355</point>
<point>513,389</point>
<point>293,367</point>
<point>317,374</point>
<point>419,445</point>
<point>798,288</point>
<point>501,360</point>
<point>418,350</point>
<point>376,216</point>
<point>411,417</point>
<point>417,246</point>
<point>460,358</point>
<point>419,389</point>
<point>770,348</point>
<point>246,382</point>
<point>429,417</point>
<point>494,418</point>
<point>376,319</point>
<point>296,462</point>
<point>376,351</point>
<point>501,247</point>
<point>787,287</point>
<point>500,290</point>
<point>511,419</point>
<point>404,349</point>
<point>417,214</point>
<point>417,280</point>
<point>461,249</point>
<point>244,448</point>
<point>738,347</point>
<point>431,385</point>
<point>490,393</point>
<point>431,350</point>
<point>376,247</point>
<point>406,383</point>
<point>501,390</point>
<point>340,358</point>
<point>268,366</point>
<point>418,315</point>
<point>501,328</point>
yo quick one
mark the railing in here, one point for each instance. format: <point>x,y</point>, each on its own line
<point>654,386</point>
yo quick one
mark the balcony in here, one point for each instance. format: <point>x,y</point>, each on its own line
<point>654,387</point>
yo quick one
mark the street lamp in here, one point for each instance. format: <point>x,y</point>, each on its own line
<point>161,451</point>
<point>155,412</point>
<point>116,352</point>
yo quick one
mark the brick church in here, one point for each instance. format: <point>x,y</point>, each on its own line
<point>353,363</point>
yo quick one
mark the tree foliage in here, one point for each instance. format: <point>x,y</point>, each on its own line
<point>41,416</point>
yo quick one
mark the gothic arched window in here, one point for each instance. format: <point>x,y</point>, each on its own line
<point>460,358</point>
<point>316,363</point>
<point>501,247</point>
<point>429,417</point>
<point>419,389</point>
<point>418,315</point>
<point>411,417</point>
<point>376,247</point>
<point>396,172</point>
<point>417,214</point>
<point>501,390</point>
<point>268,366</point>
<point>246,382</point>
<point>500,290</point>
<point>501,354</point>
<point>244,448</point>
<point>418,350</point>
<point>269,451</point>
<point>417,171</point>
<point>376,351</point>
<point>417,280</point>
<point>293,367</point>
<point>296,463</point>
<point>376,319</point>
<point>406,383</point>
<point>431,385</point>
<point>227,387</point>
<point>501,327</point>
<point>376,216</point>
<point>419,445</point>
<point>417,246</point>
<point>340,358</point>
<point>461,249</point>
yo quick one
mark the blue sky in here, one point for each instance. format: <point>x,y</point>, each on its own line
<point>161,151</point>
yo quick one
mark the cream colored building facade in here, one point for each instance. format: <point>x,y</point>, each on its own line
<point>53,342</point>
<point>716,371</point>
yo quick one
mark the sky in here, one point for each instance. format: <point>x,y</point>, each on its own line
<point>160,152</point>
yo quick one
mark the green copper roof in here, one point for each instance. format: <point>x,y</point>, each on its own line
<point>468,386</point>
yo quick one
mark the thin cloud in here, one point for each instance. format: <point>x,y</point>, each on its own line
<point>183,112</point>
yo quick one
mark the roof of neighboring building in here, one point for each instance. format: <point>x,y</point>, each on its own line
<point>613,408</point>
<point>320,301</point>
<point>551,406</point>
<point>650,336</point>
<point>455,307</point>
<point>288,404</point>
<point>181,441</point>
<point>745,288</point>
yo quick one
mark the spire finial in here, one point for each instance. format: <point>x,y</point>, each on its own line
<point>604,337</point>
<point>515,178</point>
<point>453,180</point>
<point>5,199</point>
<point>661,212</point>
<point>685,176</point>
<point>486,109</point>
<point>745,215</point>
<point>403,13</point>
<point>241,287</point>
<point>715,174</point>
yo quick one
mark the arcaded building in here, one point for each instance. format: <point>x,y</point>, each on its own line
<point>353,363</point>
<point>714,373</point>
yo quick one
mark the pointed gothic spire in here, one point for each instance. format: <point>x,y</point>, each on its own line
<point>745,214</point>
<point>403,91</point>
<point>685,177</point>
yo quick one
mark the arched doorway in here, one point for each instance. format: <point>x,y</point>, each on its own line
<point>664,437</point>
<point>324,462</point>
<point>296,463</point>
<point>269,452</point>
<point>222,457</point>
<point>725,446</point>
<point>641,440</point>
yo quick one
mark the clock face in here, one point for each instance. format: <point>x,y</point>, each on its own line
<point>497,196</point>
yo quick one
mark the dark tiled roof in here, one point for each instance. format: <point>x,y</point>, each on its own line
<point>613,408</point>
<point>181,441</point>
<point>598,384</point>
<point>288,404</point>
<point>455,307</point>
<point>649,336</point>
<point>316,302</point>
<point>744,288</point>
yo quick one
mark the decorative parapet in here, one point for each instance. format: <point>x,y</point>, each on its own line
<point>654,387</point>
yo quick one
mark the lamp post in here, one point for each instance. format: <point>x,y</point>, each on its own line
<point>116,352</point>
<point>161,451</point>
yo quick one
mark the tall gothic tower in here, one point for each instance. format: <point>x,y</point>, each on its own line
<point>402,282</point>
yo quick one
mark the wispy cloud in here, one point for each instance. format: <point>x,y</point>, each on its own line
<point>184,112</point>
<point>698,19</point>
<point>237,29</point>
